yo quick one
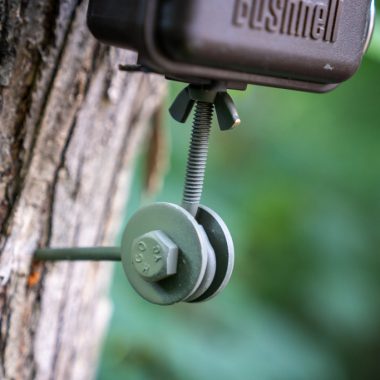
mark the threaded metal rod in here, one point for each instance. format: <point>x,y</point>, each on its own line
<point>197,160</point>
<point>79,254</point>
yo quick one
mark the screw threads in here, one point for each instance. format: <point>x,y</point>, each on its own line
<point>197,159</point>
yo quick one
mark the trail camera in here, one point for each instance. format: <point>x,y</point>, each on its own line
<point>310,45</point>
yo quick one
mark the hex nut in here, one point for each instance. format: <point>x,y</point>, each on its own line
<point>154,256</point>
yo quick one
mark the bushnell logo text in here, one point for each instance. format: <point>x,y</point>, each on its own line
<point>299,18</point>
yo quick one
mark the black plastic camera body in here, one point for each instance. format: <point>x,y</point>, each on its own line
<point>310,45</point>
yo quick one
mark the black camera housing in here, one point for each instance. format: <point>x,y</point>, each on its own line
<point>310,45</point>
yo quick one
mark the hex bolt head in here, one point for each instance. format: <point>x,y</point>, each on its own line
<point>154,256</point>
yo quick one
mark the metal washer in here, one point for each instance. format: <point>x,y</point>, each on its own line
<point>182,228</point>
<point>209,276</point>
<point>221,240</point>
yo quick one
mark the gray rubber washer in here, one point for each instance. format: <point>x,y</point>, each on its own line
<point>221,240</point>
<point>182,229</point>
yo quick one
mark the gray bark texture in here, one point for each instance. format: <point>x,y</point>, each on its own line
<point>70,127</point>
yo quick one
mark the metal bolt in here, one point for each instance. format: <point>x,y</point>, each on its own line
<point>196,163</point>
<point>206,99</point>
<point>154,256</point>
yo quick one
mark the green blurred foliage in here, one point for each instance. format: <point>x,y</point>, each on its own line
<point>299,186</point>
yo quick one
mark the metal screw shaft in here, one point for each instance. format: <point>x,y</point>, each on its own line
<point>79,254</point>
<point>196,163</point>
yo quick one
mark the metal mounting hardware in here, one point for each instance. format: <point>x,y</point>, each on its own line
<point>205,99</point>
<point>79,254</point>
<point>197,160</point>
<point>216,95</point>
<point>171,253</point>
<point>134,68</point>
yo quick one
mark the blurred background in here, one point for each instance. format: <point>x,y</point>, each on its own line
<point>298,184</point>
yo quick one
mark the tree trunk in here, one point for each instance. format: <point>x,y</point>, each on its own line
<point>70,127</point>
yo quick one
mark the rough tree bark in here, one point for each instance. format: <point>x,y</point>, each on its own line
<point>70,126</point>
